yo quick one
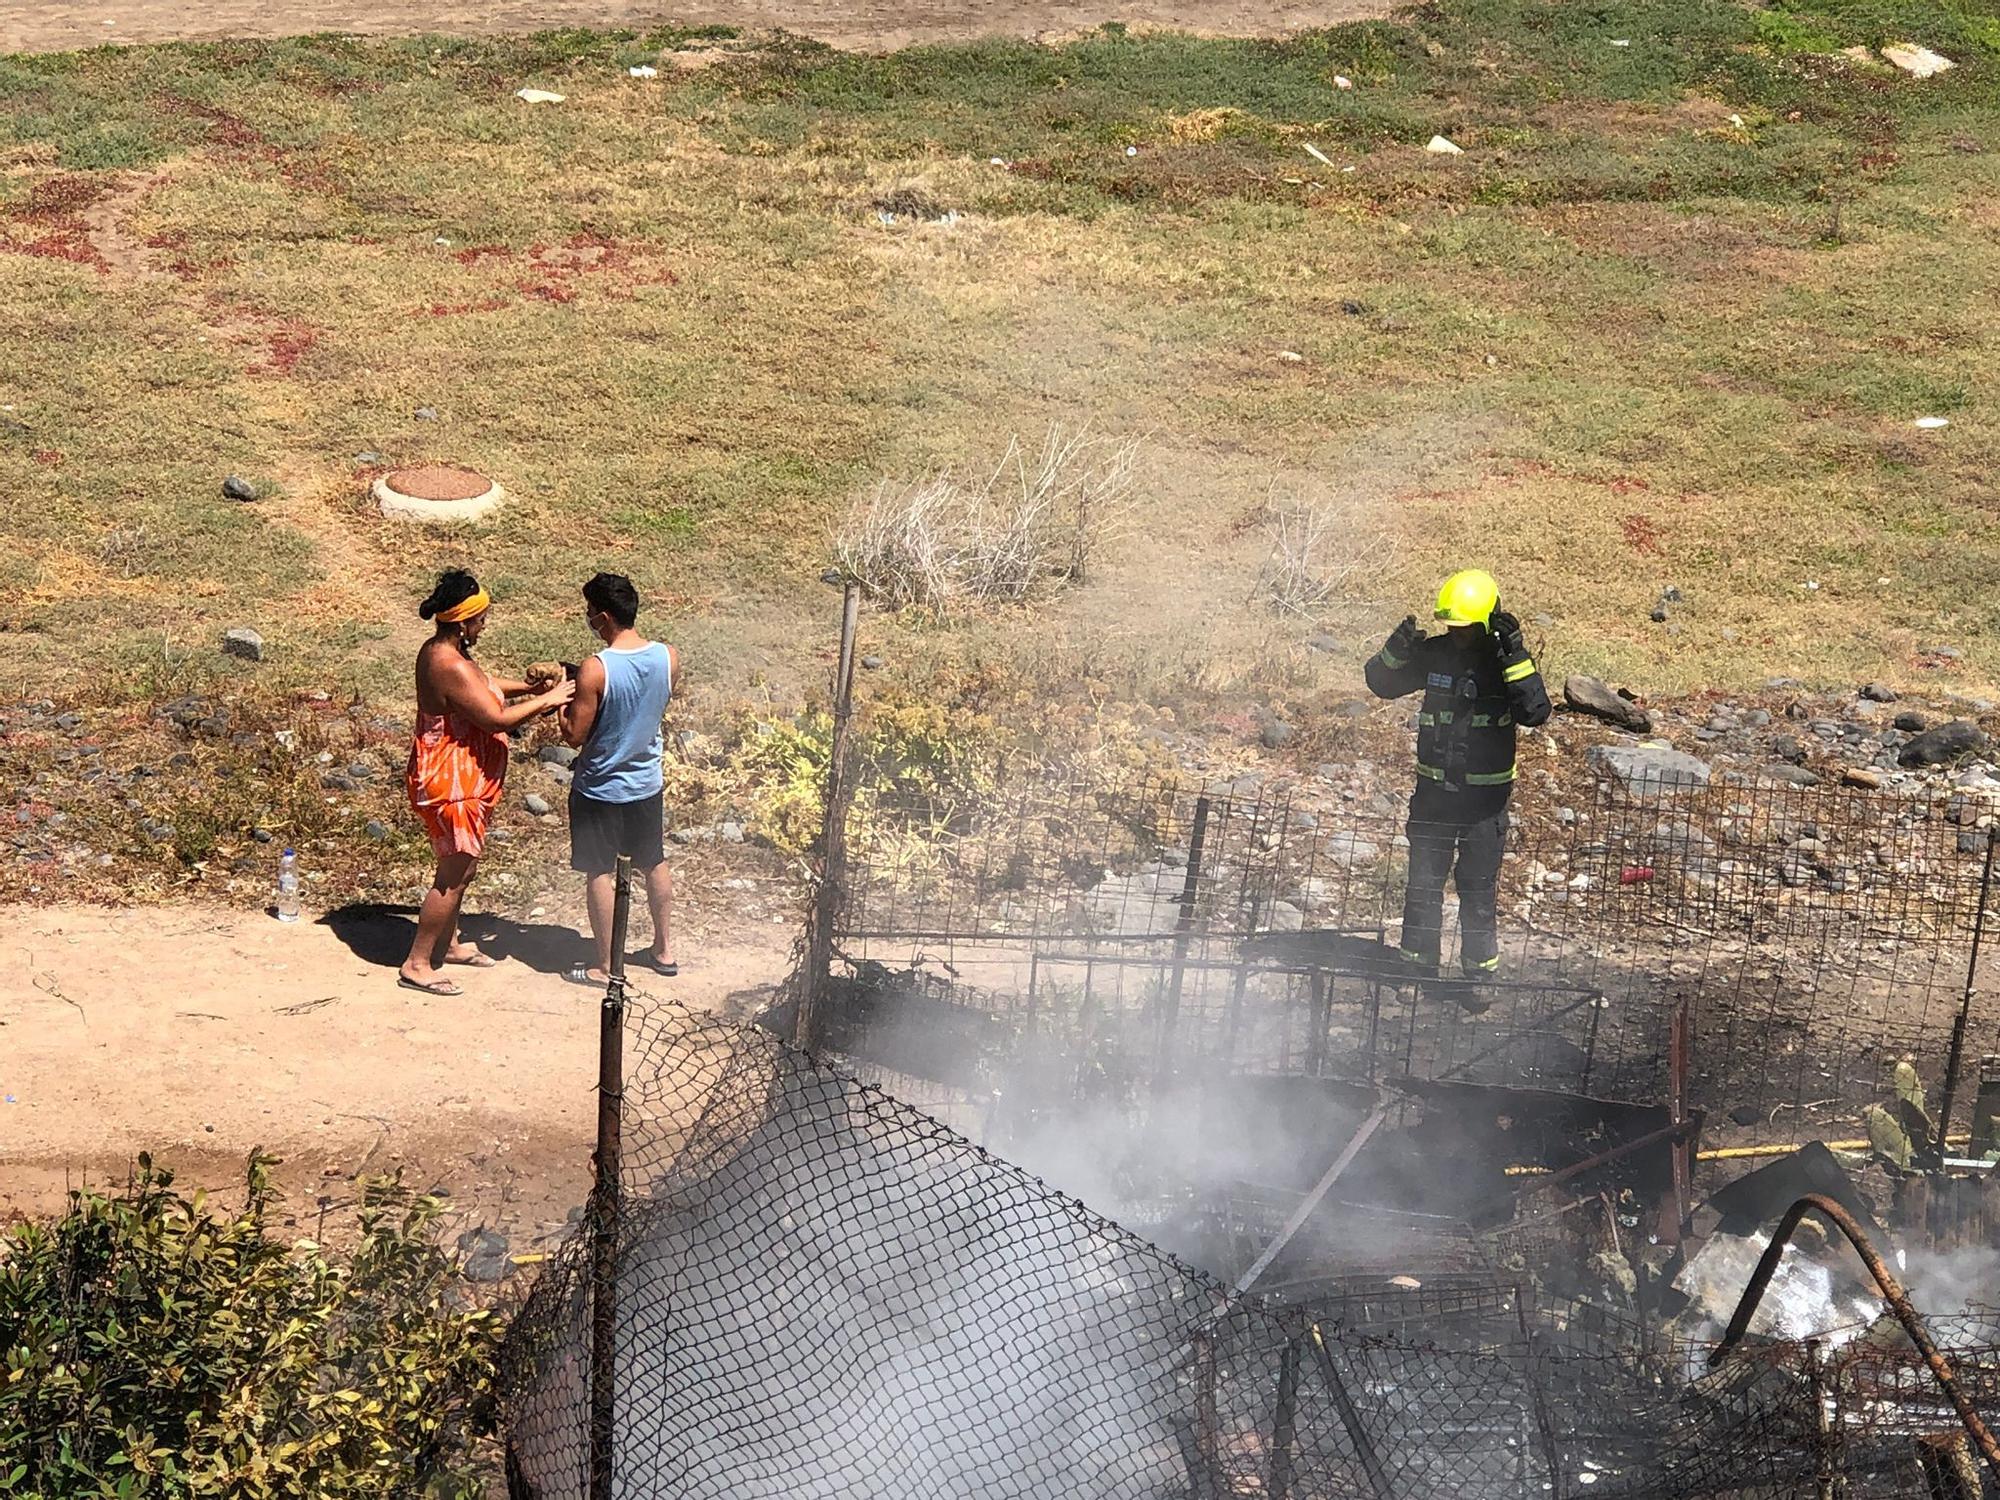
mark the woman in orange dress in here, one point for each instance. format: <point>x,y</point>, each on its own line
<point>457,764</point>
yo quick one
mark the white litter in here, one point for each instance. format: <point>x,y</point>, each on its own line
<point>1621,42</point>
<point>1811,585</point>
<point>1318,155</point>
<point>442,241</point>
<point>996,162</point>
<point>1407,1283</point>
<point>1347,169</point>
<point>1737,121</point>
<point>1131,150</point>
<point>1930,423</point>
<point>1918,62</point>
<point>644,71</point>
<point>537,96</point>
<point>1437,145</point>
<point>1342,83</point>
<point>1291,356</point>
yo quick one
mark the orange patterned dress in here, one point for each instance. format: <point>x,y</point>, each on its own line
<point>454,778</point>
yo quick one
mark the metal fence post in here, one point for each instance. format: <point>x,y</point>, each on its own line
<point>606,1200</point>
<point>1183,928</point>
<point>833,836</point>
<point>1955,1060</point>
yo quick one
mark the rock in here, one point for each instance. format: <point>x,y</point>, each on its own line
<point>482,1241</point>
<point>562,776</point>
<point>1350,849</point>
<point>1659,614</point>
<point>1787,747</point>
<point>1757,718</point>
<point>1352,308</point>
<point>1878,692</point>
<point>236,487</point>
<point>1587,695</point>
<point>261,835</point>
<point>361,770</point>
<point>339,781</point>
<point>1276,734</point>
<point>1910,722</point>
<point>1672,594</point>
<point>1746,1114</point>
<point>1918,62</point>
<point>873,663</point>
<point>1322,642</point>
<point>1861,777</point>
<point>243,642</point>
<point>556,755</point>
<point>376,829</point>
<point>1944,744</point>
<point>730,832</point>
<point>1286,917</point>
<point>425,414</point>
<point>485,1270</point>
<point>1647,770</point>
<point>1789,775</point>
<point>537,804</point>
<point>368,458</point>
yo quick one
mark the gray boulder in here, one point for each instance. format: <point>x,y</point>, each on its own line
<point>244,643</point>
<point>1647,770</point>
<point>1586,695</point>
<point>1878,692</point>
<point>1944,744</point>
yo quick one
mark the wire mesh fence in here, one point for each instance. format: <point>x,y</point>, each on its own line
<point>823,1291</point>
<point>1145,931</point>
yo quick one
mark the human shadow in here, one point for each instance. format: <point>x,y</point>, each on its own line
<point>381,934</point>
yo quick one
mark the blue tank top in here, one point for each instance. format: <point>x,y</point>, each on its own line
<point>621,759</point>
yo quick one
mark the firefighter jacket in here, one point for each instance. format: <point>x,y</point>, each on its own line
<point>1473,700</point>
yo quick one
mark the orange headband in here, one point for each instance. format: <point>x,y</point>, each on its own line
<point>465,609</point>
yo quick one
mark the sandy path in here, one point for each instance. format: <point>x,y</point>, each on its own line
<point>198,1034</point>
<point>877,25</point>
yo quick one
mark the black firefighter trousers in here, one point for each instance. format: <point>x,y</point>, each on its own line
<point>1468,828</point>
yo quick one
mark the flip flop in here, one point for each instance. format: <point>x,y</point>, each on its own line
<point>477,961</point>
<point>653,965</point>
<point>441,987</point>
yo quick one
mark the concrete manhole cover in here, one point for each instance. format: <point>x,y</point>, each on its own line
<point>437,492</point>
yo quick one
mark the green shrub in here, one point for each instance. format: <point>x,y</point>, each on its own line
<point>158,1346</point>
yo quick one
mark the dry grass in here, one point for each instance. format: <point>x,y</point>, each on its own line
<point>1595,360</point>
<point>1028,527</point>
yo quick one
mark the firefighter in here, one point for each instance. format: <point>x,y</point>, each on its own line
<point>1479,685</point>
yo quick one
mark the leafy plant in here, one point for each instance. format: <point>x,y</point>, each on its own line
<point>157,1346</point>
<point>922,766</point>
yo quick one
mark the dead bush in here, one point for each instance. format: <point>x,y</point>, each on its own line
<point>1032,524</point>
<point>1317,547</point>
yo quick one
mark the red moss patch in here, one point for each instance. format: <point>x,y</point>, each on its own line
<point>284,347</point>
<point>55,200</point>
<point>1641,535</point>
<point>67,243</point>
<point>48,458</point>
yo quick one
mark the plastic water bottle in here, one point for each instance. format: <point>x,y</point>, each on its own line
<point>288,886</point>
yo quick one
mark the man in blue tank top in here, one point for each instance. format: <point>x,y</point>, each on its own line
<point>615,796</point>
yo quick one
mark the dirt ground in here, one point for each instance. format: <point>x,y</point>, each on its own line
<point>198,1034</point>
<point>863,24</point>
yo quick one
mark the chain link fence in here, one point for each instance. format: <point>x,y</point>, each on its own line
<point>821,1291</point>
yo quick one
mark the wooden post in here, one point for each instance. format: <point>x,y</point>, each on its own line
<point>833,837</point>
<point>606,1200</point>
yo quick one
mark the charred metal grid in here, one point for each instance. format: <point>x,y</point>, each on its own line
<point>1818,935</point>
<point>821,1292</point>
